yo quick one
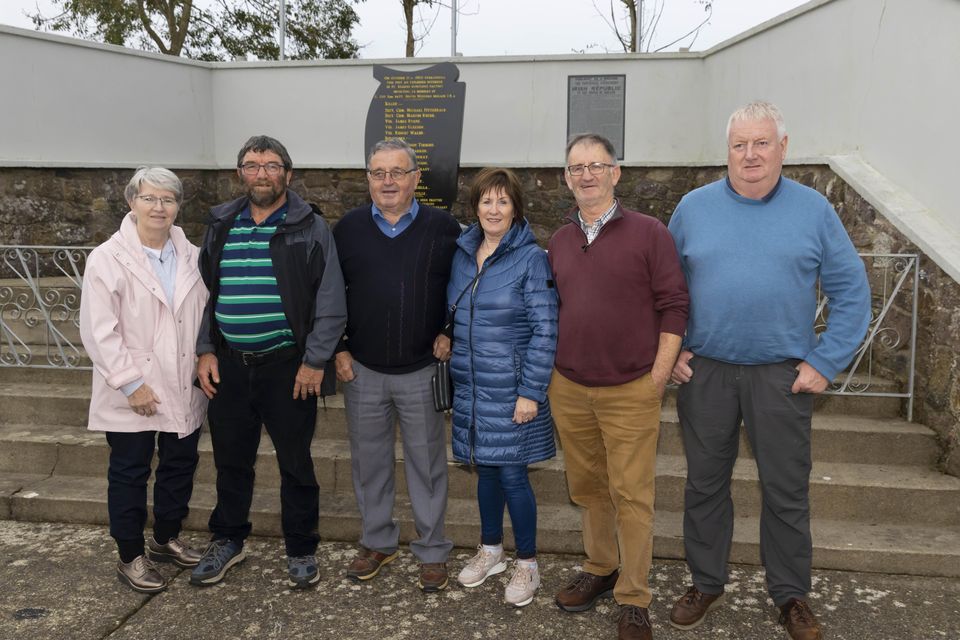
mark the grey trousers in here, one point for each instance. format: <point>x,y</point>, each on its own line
<point>777,421</point>
<point>375,402</point>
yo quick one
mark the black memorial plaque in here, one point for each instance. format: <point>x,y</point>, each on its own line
<point>424,108</point>
<point>596,104</point>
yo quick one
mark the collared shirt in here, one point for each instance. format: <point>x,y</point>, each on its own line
<point>164,263</point>
<point>393,230</point>
<point>593,230</point>
<point>248,308</point>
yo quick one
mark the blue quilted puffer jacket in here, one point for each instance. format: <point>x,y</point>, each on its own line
<point>504,341</point>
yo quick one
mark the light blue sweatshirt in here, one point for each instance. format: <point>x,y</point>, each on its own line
<point>752,269</point>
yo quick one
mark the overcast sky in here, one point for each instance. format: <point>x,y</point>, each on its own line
<point>519,27</point>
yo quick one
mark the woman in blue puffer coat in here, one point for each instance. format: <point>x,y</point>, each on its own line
<point>504,313</point>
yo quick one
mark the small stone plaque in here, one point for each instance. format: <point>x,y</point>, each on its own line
<point>596,104</point>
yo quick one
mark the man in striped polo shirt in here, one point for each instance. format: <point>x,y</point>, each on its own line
<point>276,311</point>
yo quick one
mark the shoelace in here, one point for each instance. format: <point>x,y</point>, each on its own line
<point>693,595</point>
<point>479,561</point>
<point>634,616</point>
<point>799,613</point>
<point>582,582</point>
<point>216,553</point>
<point>521,578</point>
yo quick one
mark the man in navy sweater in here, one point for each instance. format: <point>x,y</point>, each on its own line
<point>395,255</point>
<point>753,246</point>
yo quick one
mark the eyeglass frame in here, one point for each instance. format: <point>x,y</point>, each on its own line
<point>166,203</point>
<point>393,173</point>
<point>243,168</point>
<point>603,166</point>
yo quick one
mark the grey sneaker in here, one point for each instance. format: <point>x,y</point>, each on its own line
<point>523,585</point>
<point>302,571</point>
<point>140,574</point>
<point>482,566</point>
<point>219,556</point>
<point>175,551</point>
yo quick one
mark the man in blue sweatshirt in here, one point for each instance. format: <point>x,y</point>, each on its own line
<point>752,247</point>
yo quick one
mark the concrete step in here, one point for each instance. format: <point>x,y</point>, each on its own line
<point>838,490</point>
<point>887,548</point>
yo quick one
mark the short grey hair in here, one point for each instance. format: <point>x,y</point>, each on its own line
<point>592,138</point>
<point>158,177</point>
<point>393,144</point>
<point>758,110</point>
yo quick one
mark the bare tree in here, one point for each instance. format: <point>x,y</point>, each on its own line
<point>626,17</point>
<point>224,30</point>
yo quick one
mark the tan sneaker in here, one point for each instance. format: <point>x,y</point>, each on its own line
<point>175,551</point>
<point>482,566</point>
<point>140,574</point>
<point>523,584</point>
<point>799,620</point>
<point>691,609</point>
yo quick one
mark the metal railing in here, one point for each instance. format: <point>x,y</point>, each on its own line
<point>40,305</point>
<point>890,348</point>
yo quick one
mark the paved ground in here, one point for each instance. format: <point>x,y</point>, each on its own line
<point>57,581</point>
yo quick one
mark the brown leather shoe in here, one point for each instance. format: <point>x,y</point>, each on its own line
<point>433,576</point>
<point>140,574</point>
<point>584,590</point>
<point>799,620</point>
<point>634,624</point>
<point>368,563</point>
<point>691,609</point>
<point>175,551</point>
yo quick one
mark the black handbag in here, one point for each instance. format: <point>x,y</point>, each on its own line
<point>440,383</point>
<point>442,387</point>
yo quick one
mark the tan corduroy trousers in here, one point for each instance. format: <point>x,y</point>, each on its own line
<point>609,439</point>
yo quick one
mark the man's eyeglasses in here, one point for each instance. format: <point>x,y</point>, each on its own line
<point>166,203</point>
<point>595,168</point>
<point>253,168</point>
<point>396,174</point>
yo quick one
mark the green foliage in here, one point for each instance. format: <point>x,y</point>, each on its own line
<point>220,30</point>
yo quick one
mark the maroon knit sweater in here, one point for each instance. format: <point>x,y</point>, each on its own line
<point>616,296</point>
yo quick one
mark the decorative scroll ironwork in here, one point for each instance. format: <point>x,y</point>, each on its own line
<point>40,306</point>
<point>883,366</point>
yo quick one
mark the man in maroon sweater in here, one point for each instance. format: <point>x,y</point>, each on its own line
<point>623,310</point>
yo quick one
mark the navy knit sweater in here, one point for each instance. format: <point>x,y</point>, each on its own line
<point>396,287</point>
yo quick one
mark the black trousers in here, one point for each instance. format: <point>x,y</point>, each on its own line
<point>711,407</point>
<point>248,397</point>
<point>127,475</point>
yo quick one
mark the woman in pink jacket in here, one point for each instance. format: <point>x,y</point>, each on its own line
<point>140,312</point>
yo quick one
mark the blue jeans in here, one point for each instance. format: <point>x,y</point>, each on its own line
<point>510,486</point>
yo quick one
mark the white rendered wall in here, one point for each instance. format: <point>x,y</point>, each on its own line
<point>873,82</point>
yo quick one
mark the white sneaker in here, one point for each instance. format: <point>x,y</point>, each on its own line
<point>482,566</point>
<point>523,584</point>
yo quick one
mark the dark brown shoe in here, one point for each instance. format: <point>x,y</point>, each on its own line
<point>368,563</point>
<point>634,624</point>
<point>433,576</point>
<point>691,609</point>
<point>799,620</point>
<point>175,551</point>
<point>584,590</point>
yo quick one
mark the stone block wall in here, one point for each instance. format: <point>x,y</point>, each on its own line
<point>82,207</point>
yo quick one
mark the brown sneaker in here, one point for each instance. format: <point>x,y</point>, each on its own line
<point>691,609</point>
<point>433,576</point>
<point>799,620</point>
<point>140,574</point>
<point>174,551</point>
<point>634,624</point>
<point>584,590</point>
<point>368,563</point>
